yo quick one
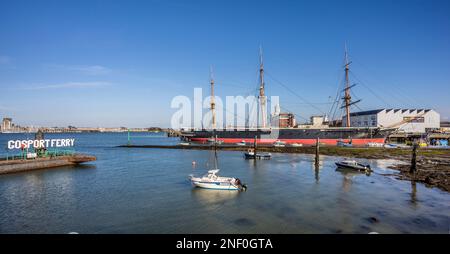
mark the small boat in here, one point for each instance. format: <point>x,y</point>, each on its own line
<point>184,144</point>
<point>279,143</point>
<point>213,181</point>
<point>341,143</point>
<point>374,144</point>
<point>250,154</point>
<point>352,164</point>
<point>390,146</point>
<point>296,145</point>
<point>212,140</point>
<point>242,143</point>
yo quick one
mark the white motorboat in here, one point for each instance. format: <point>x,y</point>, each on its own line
<point>375,144</point>
<point>296,145</point>
<point>352,164</point>
<point>184,144</point>
<point>215,141</point>
<point>341,143</point>
<point>242,143</point>
<point>279,143</point>
<point>390,146</point>
<point>213,181</point>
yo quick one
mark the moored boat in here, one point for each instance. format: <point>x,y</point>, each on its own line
<point>279,143</point>
<point>352,164</point>
<point>215,141</point>
<point>375,144</point>
<point>242,143</point>
<point>212,181</point>
<point>341,143</point>
<point>390,146</point>
<point>250,154</point>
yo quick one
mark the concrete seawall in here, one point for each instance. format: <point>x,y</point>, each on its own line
<point>14,166</point>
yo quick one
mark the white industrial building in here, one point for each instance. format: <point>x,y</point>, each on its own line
<point>407,120</point>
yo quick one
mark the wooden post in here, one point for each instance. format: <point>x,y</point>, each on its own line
<point>317,152</point>
<point>254,149</point>
<point>414,159</point>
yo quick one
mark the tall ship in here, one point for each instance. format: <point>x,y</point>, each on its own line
<point>328,132</point>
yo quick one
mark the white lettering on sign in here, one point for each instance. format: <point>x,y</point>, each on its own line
<point>26,144</point>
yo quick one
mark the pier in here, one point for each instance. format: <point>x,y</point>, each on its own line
<point>14,166</point>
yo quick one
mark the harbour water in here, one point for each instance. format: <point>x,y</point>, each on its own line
<point>147,191</point>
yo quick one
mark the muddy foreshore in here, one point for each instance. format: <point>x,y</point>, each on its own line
<point>433,172</point>
<point>433,165</point>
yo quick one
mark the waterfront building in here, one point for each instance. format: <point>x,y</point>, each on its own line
<point>282,120</point>
<point>406,120</point>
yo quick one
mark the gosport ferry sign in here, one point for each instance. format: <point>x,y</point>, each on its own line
<point>40,143</point>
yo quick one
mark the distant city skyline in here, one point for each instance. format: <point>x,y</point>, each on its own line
<point>120,63</point>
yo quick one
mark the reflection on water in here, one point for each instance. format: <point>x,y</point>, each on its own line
<point>213,197</point>
<point>317,168</point>
<point>349,175</point>
<point>413,193</point>
<point>148,191</point>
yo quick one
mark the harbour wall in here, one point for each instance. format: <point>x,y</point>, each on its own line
<point>14,166</point>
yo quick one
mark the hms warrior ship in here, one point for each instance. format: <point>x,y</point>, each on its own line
<point>305,134</point>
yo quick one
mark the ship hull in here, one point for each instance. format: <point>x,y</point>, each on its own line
<point>329,136</point>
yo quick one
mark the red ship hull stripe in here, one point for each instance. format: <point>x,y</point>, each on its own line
<point>355,141</point>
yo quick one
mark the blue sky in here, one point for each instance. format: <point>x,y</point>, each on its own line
<point>120,63</point>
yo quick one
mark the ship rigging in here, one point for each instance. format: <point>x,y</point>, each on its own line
<point>304,134</point>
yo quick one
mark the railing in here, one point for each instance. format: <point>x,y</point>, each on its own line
<point>54,153</point>
<point>45,154</point>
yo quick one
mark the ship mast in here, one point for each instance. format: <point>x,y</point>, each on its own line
<point>213,104</point>
<point>262,97</point>
<point>347,97</point>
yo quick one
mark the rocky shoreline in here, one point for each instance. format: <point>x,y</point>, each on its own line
<point>433,173</point>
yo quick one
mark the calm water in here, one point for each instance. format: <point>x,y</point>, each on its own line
<point>147,191</point>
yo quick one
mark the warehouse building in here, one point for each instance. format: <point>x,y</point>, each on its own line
<point>407,120</point>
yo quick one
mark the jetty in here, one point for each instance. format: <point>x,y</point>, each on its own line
<point>19,165</point>
<point>41,153</point>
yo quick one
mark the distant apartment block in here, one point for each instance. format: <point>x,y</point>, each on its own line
<point>282,120</point>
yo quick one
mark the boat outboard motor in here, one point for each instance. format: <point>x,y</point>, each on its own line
<point>241,186</point>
